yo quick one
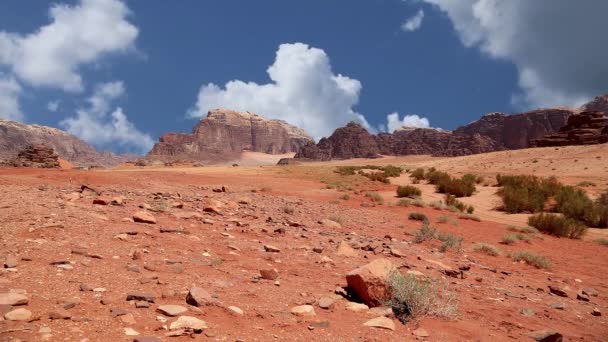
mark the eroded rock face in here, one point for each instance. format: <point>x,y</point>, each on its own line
<point>224,134</point>
<point>40,156</point>
<point>585,128</point>
<point>351,141</point>
<point>15,136</point>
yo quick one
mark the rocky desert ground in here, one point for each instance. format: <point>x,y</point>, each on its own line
<point>262,253</point>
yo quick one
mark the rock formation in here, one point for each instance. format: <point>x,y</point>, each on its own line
<point>40,155</point>
<point>585,128</point>
<point>15,136</point>
<point>224,134</point>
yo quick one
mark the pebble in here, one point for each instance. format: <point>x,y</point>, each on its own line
<point>303,311</point>
<point>235,311</point>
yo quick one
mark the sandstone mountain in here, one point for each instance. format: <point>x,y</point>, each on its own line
<point>16,136</point>
<point>492,132</point>
<point>585,128</point>
<point>224,134</point>
<point>40,156</point>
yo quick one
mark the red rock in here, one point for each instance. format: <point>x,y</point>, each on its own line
<point>370,282</point>
<point>40,155</point>
<point>144,217</point>
<point>198,297</point>
<point>60,313</point>
<point>269,274</point>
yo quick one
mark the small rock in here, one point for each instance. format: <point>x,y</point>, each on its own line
<point>198,297</point>
<point>344,249</point>
<point>13,299</point>
<point>269,274</point>
<point>144,217</point>
<point>142,304</point>
<point>20,314</point>
<point>370,282</point>
<point>557,291</point>
<point>582,297</point>
<point>546,335</point>
<point>559,306</point>
<point>330,224</point>
<point>381,322</point>
<point>188,322</point>
<point>101,201</point>
<point>130,332</point>
<point>235,311</point>
<point>303,311</point>
<point>141,296</point>
<point>596,312</point>
<point>326,303</point>
<point>10,261</point>
<point>171,310</point>
<point>60,313</point>
<point>420,332</point>
<point>147,339</point>
<point>527,312</point>
<point>590,292</point>
<point>116,312</point>
<point>397,253</point>
<point>356,307</point>
<point>271,249</point>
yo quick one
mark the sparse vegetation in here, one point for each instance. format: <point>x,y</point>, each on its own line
<point>469,217</point>
<point>451,201</point>
<point>532,259</point>
<point>557,225</point>
<point>425,233</point>
<point>418,216</point>
<point>486,248</point>
<point>447,219</point>
<point>408,191</point>
<point>602,241</point>
<point>382,174</point>
<point>415,298</point>
<point>585,184</point>
<point>524,230</point>
<point>450,241</point>
<point>510,239</point>
<point>375,197</point>
<point>418,174</point>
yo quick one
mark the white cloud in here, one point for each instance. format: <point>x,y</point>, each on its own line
<point>413,23</point>
<point>96,125</point>
<point>394,122</point>
<point>9,99</point>
<point>53,106</point>
<point>558,46</point>
<point>304,92</point>
<point>76,35</point>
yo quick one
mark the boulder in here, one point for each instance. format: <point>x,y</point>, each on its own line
<point>370,282</point>
<point>37,156</point>
<point>198,296</point>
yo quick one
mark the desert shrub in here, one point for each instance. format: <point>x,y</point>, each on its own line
<point>404,202</point>
<point>392,171</point>
<point>414,297</point>
<point>346,170</point>
<point>525,230</point>
<point>418,216</point>
<point>510,239</point>
<point>377,177</point>
<point>486,248</point>
<point>524,193</point>
<point>469,217</point>
<point>557,225</point>
<point>375,197</point>
<point>574,203</point>
<point>450,241</point>
<point>382,175</point>
<point>585,184</point>
<point>436,177</point>
<point>418,203</point>
<point>451,201</point>
<point>462,187</point>
<point>408,191</point>
<point>447,219</point>
<point>601,205</point>
<point>418,174</point>
<point>602,241</point>
<point>532,259</point>
<point>425,233</point>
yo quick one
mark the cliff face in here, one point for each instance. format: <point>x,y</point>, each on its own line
<point>15,136</point>
<point>224,134</point>
<point>585,128</point>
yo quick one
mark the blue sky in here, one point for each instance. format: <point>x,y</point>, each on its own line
<point>121,73</point>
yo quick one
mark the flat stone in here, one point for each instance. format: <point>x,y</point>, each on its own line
<point>356,307</point>
<point>420,332</point>
<point>303,311</point>
<point>397,253</point>
<point>188,322</point>
<point>141,296</point>
<point>198,296</point>
<point>115,312</point>
<point>10,261</point>
<point>147,339</point>
<point>20,314</point>
<point>235,311</point>
<point>271,249</point>
<point>590,292</point>
<point>546,335</point>
<point>142,304</point>
<point>557,291</point>
<point>326,303</point>
<point>344,249</point>
<point>559,306</point>
<point>380,311</point>
<point>582,297</point>
<point>60,313</point>
<point>596,312</point>
<point>130,332</point>
<point>171,310</point>
<point>13,299</point>
<point>380,322</point>
<point>144,217</point>
<point>330,224</point>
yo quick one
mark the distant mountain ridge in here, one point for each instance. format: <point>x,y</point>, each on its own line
<point>15,136</point>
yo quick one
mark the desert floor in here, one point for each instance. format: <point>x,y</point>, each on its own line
<point>84,258</point>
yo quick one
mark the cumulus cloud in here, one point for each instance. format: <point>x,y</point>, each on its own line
<point>99,125</point>
<point>76,35</point>
<point>53,106</point>
<point>558,46</point>
<point>413,23</point>
<point>303,91</point>
<point>9,99</point>
<point>394,122</point>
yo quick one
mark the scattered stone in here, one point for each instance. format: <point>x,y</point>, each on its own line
<point>557,291</point>
<point>147,339</point>
<point>10,261</point>
<point>370,282</point>
<point>60,313</point>
<point>116,312</point>
<point>596,312</point>
<point>318,249</point>
<point>380,322</point>
<point>420,332</point>
<point>397,253</point>
<point>356,307</point>
<point>13,299</point>
<point>582,297</point>
<point>269,274</point>
<point>235,311</point>
<point>190,323</point>
<point>344,249</point>
<point>271,249</point>
<point>303,311</point>
<point>142,304</point>
<point>144,217</point>
<point>559,306</point>
<point>527,312</point>
<point>380,311</point>
<point>20,314</point>
<point>171,310</point>
<point>590,292</point>
<point>326,303</point>
<point>198,297</point>
<point>101,201</point>
<point>546,335</point>
<point>130,332</point>
<point>330,224</point>
<point>141,296</point>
